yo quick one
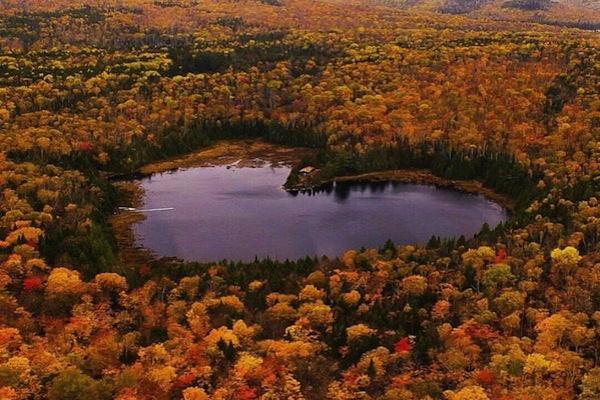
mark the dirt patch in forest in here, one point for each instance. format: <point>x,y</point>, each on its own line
<point>241,153</point>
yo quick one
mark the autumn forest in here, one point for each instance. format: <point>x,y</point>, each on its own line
<point>505,93</point>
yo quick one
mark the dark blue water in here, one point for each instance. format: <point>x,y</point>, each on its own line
<point>240,213</point>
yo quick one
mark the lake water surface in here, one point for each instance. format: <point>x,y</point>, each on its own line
<point>239,213</point>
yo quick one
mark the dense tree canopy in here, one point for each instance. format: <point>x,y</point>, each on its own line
<point>506,93</point>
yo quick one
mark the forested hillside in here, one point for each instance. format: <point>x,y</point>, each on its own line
<point>574,13</point>
<point>93,89</point>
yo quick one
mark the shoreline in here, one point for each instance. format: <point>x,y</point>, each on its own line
<point>242,153</point>
<point>420,176</point>
<point>252,153</point>
<point>249,153</point>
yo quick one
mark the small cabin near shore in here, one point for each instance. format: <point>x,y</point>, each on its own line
<point>306,171</point>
